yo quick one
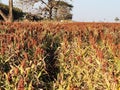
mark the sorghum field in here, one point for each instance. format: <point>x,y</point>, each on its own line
<point>59,56</point>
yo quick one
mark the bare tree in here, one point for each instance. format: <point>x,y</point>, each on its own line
<point>9,17</point>
<point>25,5</point>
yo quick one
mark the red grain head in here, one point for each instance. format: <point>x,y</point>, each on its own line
<point>21,84</point>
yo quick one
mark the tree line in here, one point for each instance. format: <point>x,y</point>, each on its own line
<point>46,9</point>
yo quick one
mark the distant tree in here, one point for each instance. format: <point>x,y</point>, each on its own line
<point>9,17</point>
<point>63,11</point>
<point>117,19</point>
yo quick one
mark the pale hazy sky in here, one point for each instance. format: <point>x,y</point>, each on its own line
<point>94,10</point>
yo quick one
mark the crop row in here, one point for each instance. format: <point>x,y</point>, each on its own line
<point>59,56</point>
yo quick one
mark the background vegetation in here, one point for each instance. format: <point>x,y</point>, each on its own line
<point>45,10</point>
<point>17,13</point>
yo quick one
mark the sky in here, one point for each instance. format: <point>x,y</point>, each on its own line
<point>94,10</point>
